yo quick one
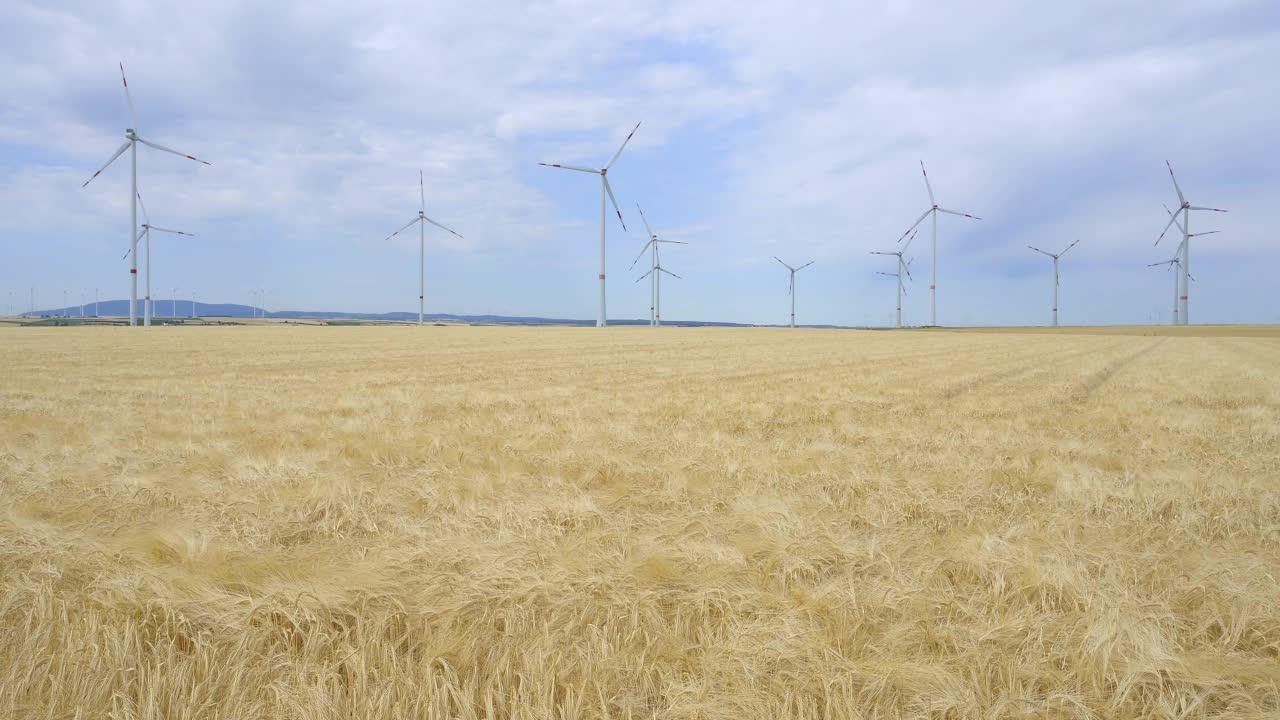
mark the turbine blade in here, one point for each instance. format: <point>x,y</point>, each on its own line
<point>1193,277</point>
<point>117,154</point>
<point>923,215</point>
<point>647,229</point>
<point>1064,252</point>
<point>146,219</point>
<point>662,269</point>
<point>1181,227</point>
<point>927,185</point>
<point>645,275</point>
<point>888,274</point>
<point>1173,218</point>
<point>133,119</point>
<point>433,222</point>
<point>646,247</point>
<point>406,227</point>
<point>175,232</point>
<point>1040,251</point>
<point>908,244</point>
<point>1206,232</point>
<point>877,252</point>
<point>672,242</point>
<point>624,145</point>
<point>907,268</point>
<point>422,193</point>
<point>791,284</point>
<point>1197,207</point>
<point>605,179</point>
<point>805,265</point>
<point>171,150</point>
<point>953,212</point>
<point>1181,200</point>
<point>775,257</point>
<point>126,253</point>
<point>570,167</point>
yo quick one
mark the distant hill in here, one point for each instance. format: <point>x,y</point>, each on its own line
<point>162,308</point>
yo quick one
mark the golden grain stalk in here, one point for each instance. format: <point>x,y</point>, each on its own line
<point>464,522</point>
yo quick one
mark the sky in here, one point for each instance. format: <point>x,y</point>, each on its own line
<point>769,128</point>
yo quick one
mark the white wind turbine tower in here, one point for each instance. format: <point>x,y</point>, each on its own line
<point>422,240</point>
<point>656,269</point>
<point>903,267</point>
<point>1055,276</point>
<point>933,264</point>
<point>1177,262</point>
<point>173,304</point>
<point>131,144</point>
<point>791,288</point>
<point>1185,209</point>
<point>603,172</point>
<point>145,233</point>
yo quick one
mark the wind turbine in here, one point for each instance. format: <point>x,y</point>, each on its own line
<point>1185,208</point>
<point>1177,262</point>
<point>903,267</point>
<point>422,241</point>
<point>173,304</point>
<point>1174,263</point>
<point>655,284</point>
<point>791,288</point>
<point>193,304</point>
<point>131,144</point>
<point>933,264</point>
<point>1055,276</point>
<point>147,227</point>
<point>601,320</point>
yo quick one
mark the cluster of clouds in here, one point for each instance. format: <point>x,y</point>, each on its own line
<point>769,128</point>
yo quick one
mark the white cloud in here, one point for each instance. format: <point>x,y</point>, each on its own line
<point>768,126</point>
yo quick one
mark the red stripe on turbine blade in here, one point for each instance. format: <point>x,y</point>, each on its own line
<point>133,271</point>
<point>601,276</point>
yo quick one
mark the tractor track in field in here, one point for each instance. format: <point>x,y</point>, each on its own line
<point>1024,367</point>
<point>1083,392</point>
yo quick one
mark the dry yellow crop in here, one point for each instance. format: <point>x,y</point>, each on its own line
<point>454,522</point>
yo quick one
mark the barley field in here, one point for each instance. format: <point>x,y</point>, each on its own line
<point>472,522</point>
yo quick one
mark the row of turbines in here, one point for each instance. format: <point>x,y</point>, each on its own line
<point>1181,258</point>
<point>1181,218</point>
<point>84,304</point>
